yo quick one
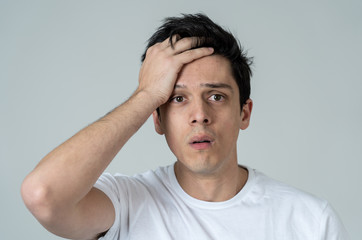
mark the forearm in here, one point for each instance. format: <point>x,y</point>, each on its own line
<point>68,173</point>
<point>59,190</point>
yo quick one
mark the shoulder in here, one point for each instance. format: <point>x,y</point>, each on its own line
<point>284,196</point>
<point>305,212</point>
<point>120,183</point>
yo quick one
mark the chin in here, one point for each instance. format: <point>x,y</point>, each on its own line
<point>201,167</point>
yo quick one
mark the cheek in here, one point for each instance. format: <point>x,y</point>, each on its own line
<point>173,125</point>
<point>168,121</point>
<point>231,116</point>
<point>174,142</point>
<point>232,127</point>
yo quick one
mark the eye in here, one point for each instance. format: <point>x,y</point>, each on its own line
<point>216,97</point>
<point>177,99</point>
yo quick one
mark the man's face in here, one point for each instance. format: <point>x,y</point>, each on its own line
<point>202,119</point>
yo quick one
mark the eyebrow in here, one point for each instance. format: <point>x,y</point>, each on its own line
<point>208,85</point>
<point>217,85</point>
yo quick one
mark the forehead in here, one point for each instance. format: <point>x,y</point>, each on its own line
<point>211,69</point>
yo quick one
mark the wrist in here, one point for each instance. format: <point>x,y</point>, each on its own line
<point>150,98</point>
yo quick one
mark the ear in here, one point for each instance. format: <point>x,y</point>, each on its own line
<point>157,123</point>
<point>246,114</point>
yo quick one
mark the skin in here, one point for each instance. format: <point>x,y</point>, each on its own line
<point>205,100</point>
<point>59,191</point>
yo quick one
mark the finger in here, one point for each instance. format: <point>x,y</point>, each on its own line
<point>185,44</point>
<point>166,43</point>
<point>193,54</point>
<point>171,41</point>
<point>174,39</point>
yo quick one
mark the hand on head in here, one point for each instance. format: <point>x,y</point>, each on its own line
<point>164,61</point>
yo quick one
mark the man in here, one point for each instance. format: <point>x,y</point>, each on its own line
<point>195,81</point>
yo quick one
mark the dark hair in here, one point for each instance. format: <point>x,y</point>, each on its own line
<point>211,35</point>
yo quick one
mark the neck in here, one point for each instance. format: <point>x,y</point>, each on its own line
<point>212,187</point>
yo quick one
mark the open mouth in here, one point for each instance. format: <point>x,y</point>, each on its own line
<point>201,142</point>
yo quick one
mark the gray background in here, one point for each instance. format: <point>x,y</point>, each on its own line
<point>63,64</point>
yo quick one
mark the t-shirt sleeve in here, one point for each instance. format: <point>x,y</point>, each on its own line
<point>331,227</point>
<point>110,186</point>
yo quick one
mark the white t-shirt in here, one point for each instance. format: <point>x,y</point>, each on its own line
<point>153,205</point>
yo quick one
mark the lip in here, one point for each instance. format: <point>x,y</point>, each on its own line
<point>201,142</point>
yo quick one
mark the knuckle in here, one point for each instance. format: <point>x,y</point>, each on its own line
<point>149,51</point>
<point>191,53</point>
<point>169,61</point>
<point>153,50</point>
<point>154,47</point>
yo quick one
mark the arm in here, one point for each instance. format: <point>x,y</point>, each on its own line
<point>331,226</point>
<point>59,191</point>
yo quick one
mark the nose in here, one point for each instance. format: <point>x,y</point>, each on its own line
<point>200,113</point>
